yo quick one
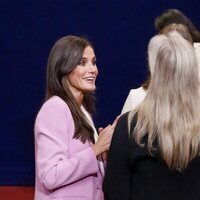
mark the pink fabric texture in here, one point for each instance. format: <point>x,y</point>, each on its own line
<point>66,169</point>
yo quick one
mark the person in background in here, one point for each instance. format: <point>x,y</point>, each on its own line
<point>181,29</point>
<point>67,147</point>
<point>170,16</point>
<point>176,16</point>
<point>154,153</point>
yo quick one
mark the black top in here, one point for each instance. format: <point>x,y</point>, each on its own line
<point>132,174</point>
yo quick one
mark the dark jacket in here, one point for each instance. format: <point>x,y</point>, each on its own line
<point>133,174</point>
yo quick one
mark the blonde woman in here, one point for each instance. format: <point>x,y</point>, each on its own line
<point>155,149</point>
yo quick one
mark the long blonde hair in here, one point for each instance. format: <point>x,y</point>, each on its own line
<point>170,113</point>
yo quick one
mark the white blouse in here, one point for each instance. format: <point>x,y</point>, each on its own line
<point>99,158</point>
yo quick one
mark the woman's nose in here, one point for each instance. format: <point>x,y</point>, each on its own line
<point>92,67</point>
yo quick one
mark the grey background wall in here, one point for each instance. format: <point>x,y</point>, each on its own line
<point>120,31</point>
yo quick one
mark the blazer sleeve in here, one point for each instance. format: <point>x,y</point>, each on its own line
<point>135,97</point>
<point>129,103</point>
<point>117,180</point>
<point>53,133</point>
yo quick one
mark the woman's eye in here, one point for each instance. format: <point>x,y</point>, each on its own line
<point>94,62</point>
<point>82,63</point>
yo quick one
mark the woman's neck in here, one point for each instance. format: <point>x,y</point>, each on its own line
<point>79,98</point>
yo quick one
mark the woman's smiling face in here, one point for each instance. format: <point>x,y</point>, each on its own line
<point>82,78</point>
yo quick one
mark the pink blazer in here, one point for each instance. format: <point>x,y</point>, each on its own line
<point>66,169</point>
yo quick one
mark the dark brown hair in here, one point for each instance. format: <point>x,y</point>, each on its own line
<point>145,84</point>
<point>64,57</point>
<point>180,28</point>
<point>172,19</point>
<point>175,16</point>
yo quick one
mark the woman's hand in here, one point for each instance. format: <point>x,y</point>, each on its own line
<point>105,135</point>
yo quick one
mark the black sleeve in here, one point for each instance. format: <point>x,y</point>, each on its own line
<point>117,181</point>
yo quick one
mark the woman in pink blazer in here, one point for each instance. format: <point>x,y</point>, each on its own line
<point>67,147</point>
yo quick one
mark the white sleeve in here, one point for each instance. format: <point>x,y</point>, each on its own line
<point>134,98</point>
<point>129,103</point>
